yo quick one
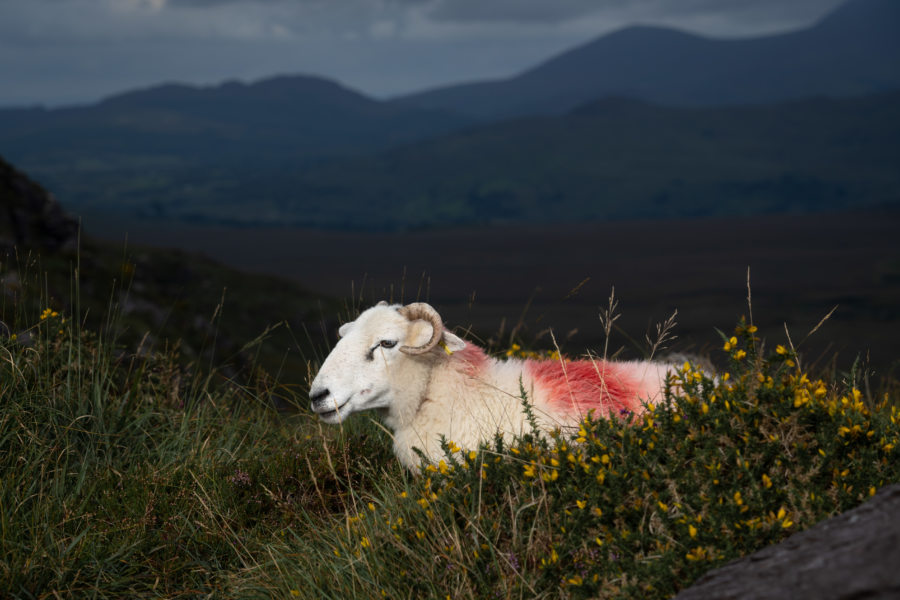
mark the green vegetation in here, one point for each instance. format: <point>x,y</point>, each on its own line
<point>613,159</point>
<point>130,475</point>
<point>149,299</point>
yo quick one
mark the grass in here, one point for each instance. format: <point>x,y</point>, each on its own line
<point>127,475</point>
<point>149,297</point>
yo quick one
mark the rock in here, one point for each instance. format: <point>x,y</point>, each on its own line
<point>30,217</point>
<point>855,555</point>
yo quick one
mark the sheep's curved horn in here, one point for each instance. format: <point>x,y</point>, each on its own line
<point>422,311</point>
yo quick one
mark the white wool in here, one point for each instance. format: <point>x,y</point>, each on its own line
<point>424,398</point>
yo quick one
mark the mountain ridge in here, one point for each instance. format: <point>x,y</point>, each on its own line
<point>284,117</point>
<point>669,66</point>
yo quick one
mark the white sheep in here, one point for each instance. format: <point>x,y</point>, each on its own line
<point>427,383</point>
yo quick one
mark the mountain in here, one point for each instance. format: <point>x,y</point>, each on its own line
<point>611,159</point>
<point>308,150</point>
<point>140,146</point>
<point>282,118</point>
<point>852,51</point>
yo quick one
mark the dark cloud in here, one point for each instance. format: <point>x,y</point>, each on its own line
<point>513,10</point>
<point>556,11</point>
<point>57,51</point>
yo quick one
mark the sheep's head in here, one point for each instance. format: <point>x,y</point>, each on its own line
<point>385,352</point>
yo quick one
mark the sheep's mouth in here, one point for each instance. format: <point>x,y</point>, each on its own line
<point>331,413</point>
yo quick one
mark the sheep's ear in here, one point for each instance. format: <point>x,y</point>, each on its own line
<point>453,343</point>
<point>383,303</point>
<point>345,329</point>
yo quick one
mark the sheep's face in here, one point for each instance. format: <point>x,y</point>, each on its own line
<point>367,368</point>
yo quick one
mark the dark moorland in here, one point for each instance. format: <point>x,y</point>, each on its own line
<point>484,279</point>
<point>614,158</point>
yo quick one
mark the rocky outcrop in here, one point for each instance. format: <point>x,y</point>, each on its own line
<point>853,556</point>
<point>30,217</point>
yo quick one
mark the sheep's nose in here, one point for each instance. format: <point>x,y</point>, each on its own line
<point>316,395</point>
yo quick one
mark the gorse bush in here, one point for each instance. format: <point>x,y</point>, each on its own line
<point>135,476</point>
<point>634,506</point>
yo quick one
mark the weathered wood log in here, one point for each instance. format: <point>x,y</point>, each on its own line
<point>853,556</point>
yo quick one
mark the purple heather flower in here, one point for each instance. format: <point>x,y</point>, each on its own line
<point>240,478</point>
<point>514,561</point>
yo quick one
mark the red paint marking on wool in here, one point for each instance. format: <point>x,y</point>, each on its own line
<point>581,386</point>
<point>471,360</point>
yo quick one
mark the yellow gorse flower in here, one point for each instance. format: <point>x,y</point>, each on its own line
<point>698,553</point>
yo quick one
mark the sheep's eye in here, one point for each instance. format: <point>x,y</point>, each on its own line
<point>382,344</point>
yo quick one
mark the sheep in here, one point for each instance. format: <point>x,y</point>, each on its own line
<point>430,384</point>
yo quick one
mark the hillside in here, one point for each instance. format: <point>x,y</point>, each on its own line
<point>854,50</point>
<point>133,479</point>
<point>613,159</point>
<point>29,216</point>
<point>148,299</point>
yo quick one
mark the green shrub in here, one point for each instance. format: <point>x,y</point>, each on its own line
<point>636,506</point>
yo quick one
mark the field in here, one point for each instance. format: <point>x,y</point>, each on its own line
<point>489,280</point>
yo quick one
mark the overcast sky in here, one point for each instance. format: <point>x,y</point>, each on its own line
<point>56,52</point>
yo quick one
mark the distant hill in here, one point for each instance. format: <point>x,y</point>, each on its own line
<point>854,50</point>
<point>143,146</point>
<point>283,118</point>
<point>611,159</point>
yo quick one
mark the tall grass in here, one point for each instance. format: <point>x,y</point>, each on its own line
<point>128,475</point>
